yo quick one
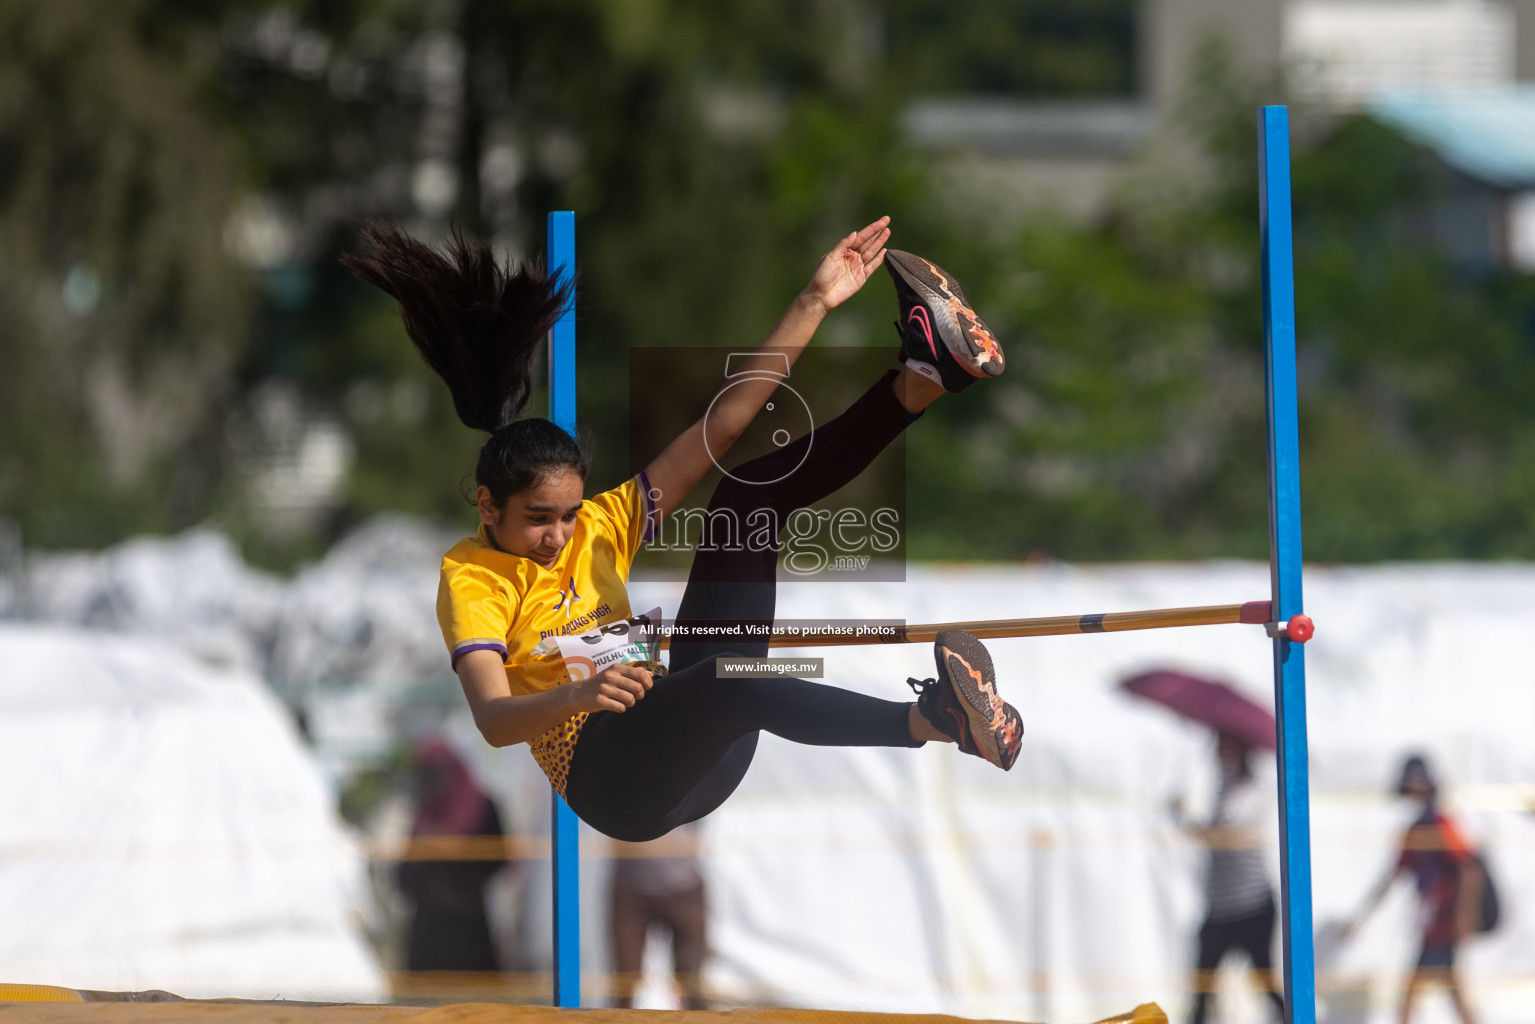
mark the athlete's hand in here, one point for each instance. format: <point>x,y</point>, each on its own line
<point>615,688</point>
<point>845,269</point>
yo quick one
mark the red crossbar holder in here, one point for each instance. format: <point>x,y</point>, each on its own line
<point>1299,629</point>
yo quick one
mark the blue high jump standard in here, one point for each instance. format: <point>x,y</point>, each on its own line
<point>1284,611</point>
<point>564,827</point>
<point>1285,561</point>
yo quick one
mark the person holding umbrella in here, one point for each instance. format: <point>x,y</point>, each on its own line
<point>1240,910</point>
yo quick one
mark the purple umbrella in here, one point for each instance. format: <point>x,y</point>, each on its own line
<point>1209,703</point>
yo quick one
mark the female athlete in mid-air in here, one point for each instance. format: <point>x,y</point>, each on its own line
<point>637,753</point>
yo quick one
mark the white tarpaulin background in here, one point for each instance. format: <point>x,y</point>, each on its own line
<point>924,880</point>
<point>161,826</point>
<point>920,881</point>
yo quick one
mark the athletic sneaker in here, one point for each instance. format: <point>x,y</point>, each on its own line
<point>962,703</point>
<point>941,337</point>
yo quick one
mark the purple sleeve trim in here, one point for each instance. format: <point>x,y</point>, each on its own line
<point>650,509</point>
<point>483,645</point>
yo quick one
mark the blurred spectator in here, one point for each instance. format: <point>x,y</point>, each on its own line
<point>449,929</point>
<point>659,883</point>
<point>1449,881</point>
<point>1239,900</point>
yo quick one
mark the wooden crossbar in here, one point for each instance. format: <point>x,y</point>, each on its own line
<point>1255,612</point>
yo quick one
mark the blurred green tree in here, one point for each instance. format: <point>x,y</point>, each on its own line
<point>177,178</point>
<point>1041,48</point>
<point>712,154</point>
<point>1131,423</point>
<point>121,315</point>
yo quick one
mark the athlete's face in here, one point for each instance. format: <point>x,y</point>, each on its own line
<point>535,523</point>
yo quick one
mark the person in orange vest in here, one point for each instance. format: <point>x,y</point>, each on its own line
<point>1449,881</point>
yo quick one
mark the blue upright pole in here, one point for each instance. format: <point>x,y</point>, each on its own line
<point>566,852</point>
<point>1285,561</point>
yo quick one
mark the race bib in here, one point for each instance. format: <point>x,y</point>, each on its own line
<point>625,642</point>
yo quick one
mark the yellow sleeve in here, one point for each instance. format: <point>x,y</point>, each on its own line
<point>627,513</point>
<point>474,608</point>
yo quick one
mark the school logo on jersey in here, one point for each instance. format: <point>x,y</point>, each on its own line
<point>568,598</point>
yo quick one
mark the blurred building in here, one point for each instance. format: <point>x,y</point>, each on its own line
<point>1410,63</point>
<point>1484,141</point>
<point>1023,157</point>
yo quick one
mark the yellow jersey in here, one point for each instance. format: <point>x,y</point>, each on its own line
<point>490,600</point>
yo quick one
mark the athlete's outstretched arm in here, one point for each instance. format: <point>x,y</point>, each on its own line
<point>837,278</point>
<point>504,718</point>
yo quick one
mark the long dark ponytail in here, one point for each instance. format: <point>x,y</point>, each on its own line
<point>477,323</point>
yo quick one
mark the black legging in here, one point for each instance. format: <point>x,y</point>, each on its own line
<point>1253,934</point>
<point>678,753</point>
